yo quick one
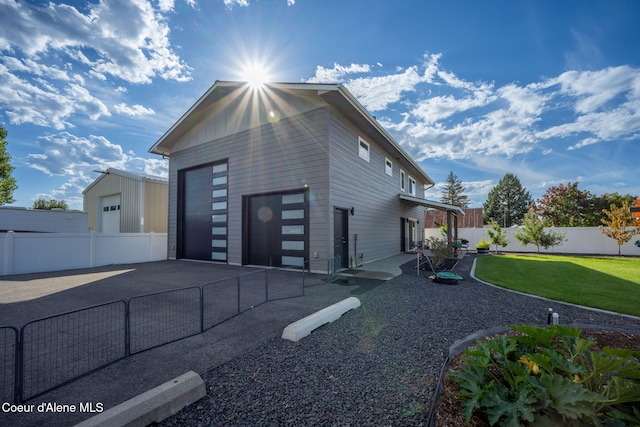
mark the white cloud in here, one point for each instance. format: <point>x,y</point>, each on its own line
<point>231,3</point>
<point>49,52</point>
<point>377,93</point>
<point>445,116</point>
<point>594,89</point>
<point>75,158</point>
<point>126,39</point>
<point>336,74</point>
<point>134,110</point>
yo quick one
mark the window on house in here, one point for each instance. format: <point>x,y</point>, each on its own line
<point>364,149</point>
<point>412,186</point>
<point>403,179</point>
<point>388,167</point>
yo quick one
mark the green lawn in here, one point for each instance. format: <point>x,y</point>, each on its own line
<point>601,282</point>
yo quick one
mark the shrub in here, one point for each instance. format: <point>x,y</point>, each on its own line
<point>483,244</point>
<point>549,376</point>
<point>440,250</point>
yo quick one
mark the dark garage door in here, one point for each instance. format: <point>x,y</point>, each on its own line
<point>202,220</point>
<point>278,229</point>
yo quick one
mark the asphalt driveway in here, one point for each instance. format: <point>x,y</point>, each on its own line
<point>27,297</point>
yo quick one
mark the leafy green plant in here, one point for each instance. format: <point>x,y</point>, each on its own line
<point>549,377</point>
<point>483,244</point>
<point>497,236</point>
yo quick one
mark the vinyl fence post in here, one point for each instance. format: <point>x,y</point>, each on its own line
<point>8,258</point>
<point>92,249</point>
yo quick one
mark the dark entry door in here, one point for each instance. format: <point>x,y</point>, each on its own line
<point>264,232</point>
<point>341,236</point>
<point>403,236</point>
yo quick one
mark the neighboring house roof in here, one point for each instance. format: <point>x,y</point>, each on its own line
<point>335,95</point>
<point>127,174</point>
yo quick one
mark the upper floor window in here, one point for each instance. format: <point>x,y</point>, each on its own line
<point>412,186</point>
<point>403,180</point>
<point>388,167</point>
<point>364,149</point>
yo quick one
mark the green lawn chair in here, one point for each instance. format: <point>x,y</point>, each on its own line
<point>444,277</point>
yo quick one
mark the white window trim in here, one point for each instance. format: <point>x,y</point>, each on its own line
<point>412,188</point>
<point>366,157</point>
<point>388,166</point>
<point>403,178</point>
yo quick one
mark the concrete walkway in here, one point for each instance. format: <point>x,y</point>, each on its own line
<point>382,269</point>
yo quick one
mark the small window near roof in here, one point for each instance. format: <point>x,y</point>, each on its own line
<point>403,179</point>
<point>388,167</point>
<point>364,149</point>
<point>412,186</point>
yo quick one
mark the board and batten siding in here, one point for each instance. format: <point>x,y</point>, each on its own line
<point>239,113</point>
<point>156,198</point>
<point>370,191</point>
<point>288,154</point>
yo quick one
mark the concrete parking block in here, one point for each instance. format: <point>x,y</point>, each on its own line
<point>303,327</point>
<point>152,406</point>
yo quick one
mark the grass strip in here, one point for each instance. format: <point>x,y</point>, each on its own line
<point>607,283</point>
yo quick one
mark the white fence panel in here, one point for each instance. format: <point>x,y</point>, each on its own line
<point>58,251</point>
<point>37,252</point>
<point>579,240</point>
<point>123,248</point>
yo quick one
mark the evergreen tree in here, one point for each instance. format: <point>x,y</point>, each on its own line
<point>507,202</point>
<point>7,182</point>
<point>604,202</point>
<point>452,192</point>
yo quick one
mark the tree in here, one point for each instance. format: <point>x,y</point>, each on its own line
<point>496,235</point>
<point>507,202</point>
<point>533,232</point>
<point>50,204</point>
<point>617,222</point>
<point>601,203</point>
<point>452,192</point>
<point>7,182</point>
<point>565,206</point>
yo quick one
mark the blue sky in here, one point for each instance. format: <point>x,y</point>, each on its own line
<point>547,90</point>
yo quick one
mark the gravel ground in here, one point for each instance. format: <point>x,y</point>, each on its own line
<point>375,366</point>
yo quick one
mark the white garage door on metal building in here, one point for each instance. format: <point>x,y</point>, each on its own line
<point>111,214</point>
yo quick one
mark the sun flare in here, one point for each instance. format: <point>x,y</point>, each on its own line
<point>256,75</point>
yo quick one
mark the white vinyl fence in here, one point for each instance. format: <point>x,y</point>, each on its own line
<point>37,252</point>
<point>579,240</point>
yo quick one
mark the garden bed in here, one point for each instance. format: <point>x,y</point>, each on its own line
<point>448,409</point>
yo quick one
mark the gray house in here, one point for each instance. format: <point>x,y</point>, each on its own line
<point>288,173</point>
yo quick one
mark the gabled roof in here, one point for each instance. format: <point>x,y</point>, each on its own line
<point>335,95</point>
<point>127,174</point>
